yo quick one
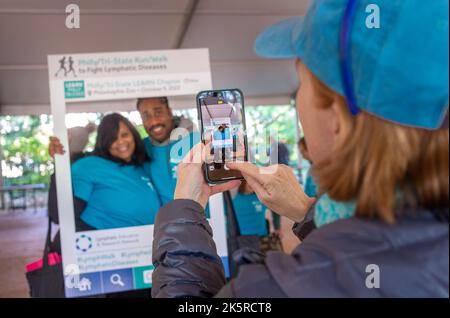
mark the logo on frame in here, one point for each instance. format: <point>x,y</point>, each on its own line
<point>74,89</point>
<point>83,243</point>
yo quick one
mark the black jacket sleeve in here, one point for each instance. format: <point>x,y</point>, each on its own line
<point>186,262</point>
<point>306,226</point>
<point>184,254</point>
<point>78,206</point>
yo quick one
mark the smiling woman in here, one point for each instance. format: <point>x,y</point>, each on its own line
<point>112,186</point>
<point>118,140</point>
<point>115,140</point>
<point>123,147</point>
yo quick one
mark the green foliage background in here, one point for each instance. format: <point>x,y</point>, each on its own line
<point>24,139</point>
<point>24,147</point>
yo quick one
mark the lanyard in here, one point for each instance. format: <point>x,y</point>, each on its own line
<point>345,56</point>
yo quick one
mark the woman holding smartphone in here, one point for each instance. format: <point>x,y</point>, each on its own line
<point>375,126</point>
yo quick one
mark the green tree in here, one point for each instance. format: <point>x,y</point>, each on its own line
<point>24,144</point>
<point>262,120</point>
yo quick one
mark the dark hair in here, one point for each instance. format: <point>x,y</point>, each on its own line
<point>302,142</point>
<point>107,135</point>
<point>163,99</point>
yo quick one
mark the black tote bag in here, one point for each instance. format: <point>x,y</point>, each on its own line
<point>47,281</point>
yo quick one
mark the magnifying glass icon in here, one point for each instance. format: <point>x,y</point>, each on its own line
<point>116,280</point>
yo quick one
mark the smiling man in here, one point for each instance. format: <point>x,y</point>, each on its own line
<point>156,117</point>
<point>164,131</point>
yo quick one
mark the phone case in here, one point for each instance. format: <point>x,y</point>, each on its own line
<point>205,171</point>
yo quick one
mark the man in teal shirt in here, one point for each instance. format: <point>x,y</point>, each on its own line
<point>169,140</point>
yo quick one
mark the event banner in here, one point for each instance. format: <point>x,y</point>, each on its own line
<point>107,76</point>
<point>119,259</point>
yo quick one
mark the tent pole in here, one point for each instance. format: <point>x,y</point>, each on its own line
<point>297,133</point>
<point>2,194</point>
<point>184,26</point>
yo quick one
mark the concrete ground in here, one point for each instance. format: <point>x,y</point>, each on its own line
<point>22,236</point>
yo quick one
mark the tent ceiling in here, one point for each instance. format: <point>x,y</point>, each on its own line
<point>30,30</point>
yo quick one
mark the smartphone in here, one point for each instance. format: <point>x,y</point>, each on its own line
<point>222,122</point>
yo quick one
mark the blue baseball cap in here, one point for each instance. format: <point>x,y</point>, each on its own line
<point>400,66</point>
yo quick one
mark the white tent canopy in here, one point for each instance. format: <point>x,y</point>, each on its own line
<point>30,30</point>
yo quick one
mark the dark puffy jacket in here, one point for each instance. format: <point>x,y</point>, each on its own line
<point>333,261</point>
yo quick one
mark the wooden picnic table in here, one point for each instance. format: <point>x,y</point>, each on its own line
<point>23,189</point>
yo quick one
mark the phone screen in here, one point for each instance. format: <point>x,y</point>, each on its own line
<point>222,120</point>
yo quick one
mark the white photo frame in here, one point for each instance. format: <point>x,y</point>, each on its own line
<point>113,260</point>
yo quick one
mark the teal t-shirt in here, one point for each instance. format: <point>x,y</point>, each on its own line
<point>310,187</point>
<point>117,195</point>
<point>250,214</point>
<point>218,135</point>
<point>164,161</point>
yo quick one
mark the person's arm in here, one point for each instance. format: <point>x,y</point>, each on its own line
<point>306,226</point>
<point>277,188</point>
<point>83,186</point>
<point>276,219</point>
<point>52,202</point>
<point>187,265</point>
<point>79,206</point>
<point>184,253</point>
<point>55,147</point>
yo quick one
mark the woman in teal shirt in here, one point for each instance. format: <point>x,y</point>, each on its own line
<point>113,186</point>
<point>251,213</point>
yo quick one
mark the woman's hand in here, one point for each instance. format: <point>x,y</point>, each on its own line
<point>191,184</point>
<point>55,147</point>
<point>277,187</point>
